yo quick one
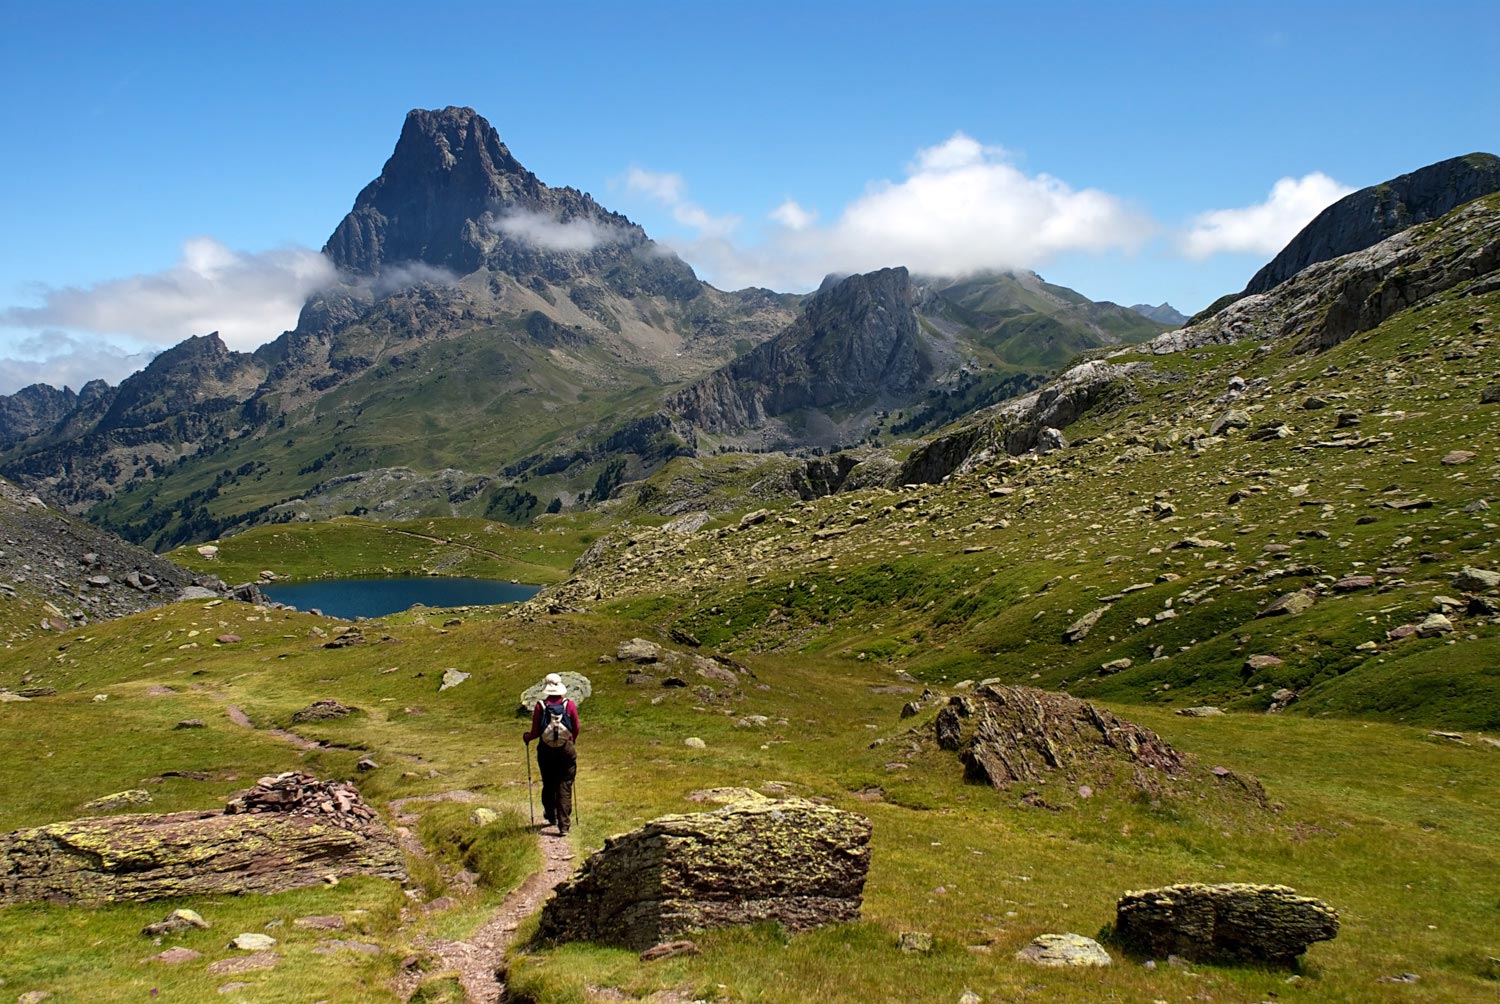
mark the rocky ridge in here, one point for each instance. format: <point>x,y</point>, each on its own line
<point>1372,214</point>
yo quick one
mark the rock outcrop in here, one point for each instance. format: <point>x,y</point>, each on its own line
<point>1009,736</point>
<point>792,861</point>
<point>1024,424</point>
<point>260,849</point>
<point>1231,922</point>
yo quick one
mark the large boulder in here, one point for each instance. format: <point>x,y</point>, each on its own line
<point>579,690</point>
<point>1231,922</point>
<point>288,832</point>
<point>1050,744</point>
<point>793,861</point>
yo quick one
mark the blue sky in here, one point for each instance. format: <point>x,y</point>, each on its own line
<point>168,168</point>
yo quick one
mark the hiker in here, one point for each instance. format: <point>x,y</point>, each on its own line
<point>554,720</point>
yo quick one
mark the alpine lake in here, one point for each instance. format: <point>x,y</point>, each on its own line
<point>376,597</point>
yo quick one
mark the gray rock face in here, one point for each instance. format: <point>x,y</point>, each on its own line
<point>33,409</point>
<point>1232,922</point>
<point>1289,604</point>
<point>1372,214</point>
<point>1023,424</point>
<point>1475,580</point>
<point>452,196</point>
<point>792,861</point>
<point>856,338</point>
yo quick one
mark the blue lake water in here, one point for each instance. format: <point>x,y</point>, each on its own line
<point>350,598</point>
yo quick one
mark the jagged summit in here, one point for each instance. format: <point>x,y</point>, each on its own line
<point>1370,215</point>
<point>452,197</point>
<point>448,169</point>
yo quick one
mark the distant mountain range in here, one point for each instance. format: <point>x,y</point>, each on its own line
<point>1164,313</point>
<point>498,347</point>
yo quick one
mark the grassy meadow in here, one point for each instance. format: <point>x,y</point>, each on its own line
<point>1393,827</point>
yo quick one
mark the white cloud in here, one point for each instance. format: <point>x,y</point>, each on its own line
<point>792,216</point>
<point>671,191</point>
<point>64,360</point>
<point>1266,227</point>
<point>249,298</point>
<point>962,208</point>
<point>405,274</point>
<point>541,230</point>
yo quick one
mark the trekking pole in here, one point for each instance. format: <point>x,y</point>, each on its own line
<point>530,804</point>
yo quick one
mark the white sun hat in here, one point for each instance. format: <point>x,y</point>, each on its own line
<point>554,686</point>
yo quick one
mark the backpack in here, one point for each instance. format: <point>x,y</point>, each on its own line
<point>555,731</point>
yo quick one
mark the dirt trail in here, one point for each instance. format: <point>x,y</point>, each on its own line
<point>241,719</point>
<point>477,959</point>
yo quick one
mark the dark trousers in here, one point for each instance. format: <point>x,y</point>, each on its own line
<point>559,766</point>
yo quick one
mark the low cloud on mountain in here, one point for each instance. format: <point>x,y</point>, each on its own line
<point>116,325</point>
<point>1265,227</point>
<point>963,207</point>
<point>543,231</point>
<point>248,297</point>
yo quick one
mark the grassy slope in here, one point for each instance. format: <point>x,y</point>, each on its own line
<point>947,581</point>
<point>354,547</point>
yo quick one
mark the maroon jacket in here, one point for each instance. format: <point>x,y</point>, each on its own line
<point>536,718</point>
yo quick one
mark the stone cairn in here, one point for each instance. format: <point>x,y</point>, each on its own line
<point>299,794</point>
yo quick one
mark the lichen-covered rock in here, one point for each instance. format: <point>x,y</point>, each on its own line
<point>1231,922</point>
<point>1064,951</point>
<point>579,690</point>
<point>152,856</point>
<point>1289,604</point>
<point>638,650</point>
<point>1009,736</point>
<point>793,861</point>
<point>120,799</point>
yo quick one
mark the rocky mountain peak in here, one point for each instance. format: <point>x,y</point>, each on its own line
<point>857,338</point>
<point>188,377</point>
<point>448,170</point>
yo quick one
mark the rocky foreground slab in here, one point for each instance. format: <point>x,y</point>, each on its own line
<point>793,861</point>
<point>273,845</point>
